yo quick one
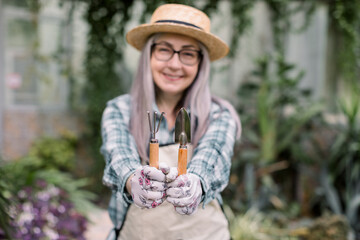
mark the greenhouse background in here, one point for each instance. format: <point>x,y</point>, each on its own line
<point>293,74</point>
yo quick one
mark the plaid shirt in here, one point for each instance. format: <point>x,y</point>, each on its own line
<point>211,159</point>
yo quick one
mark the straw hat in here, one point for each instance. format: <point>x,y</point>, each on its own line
<point>181,19</point>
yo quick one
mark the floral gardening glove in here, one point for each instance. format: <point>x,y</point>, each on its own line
<point>148,186</point>
<point>185,193</point>
<point>170,172</point>
<point>171,175</point>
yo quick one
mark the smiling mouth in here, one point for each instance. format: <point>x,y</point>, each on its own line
<point>173,77</point>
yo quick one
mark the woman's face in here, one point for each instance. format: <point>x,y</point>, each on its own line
<point>172,76</point>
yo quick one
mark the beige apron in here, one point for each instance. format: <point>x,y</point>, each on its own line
<point>164,223</point>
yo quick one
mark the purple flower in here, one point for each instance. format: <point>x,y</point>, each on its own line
<point>41,183</point>
<point>44,211</point>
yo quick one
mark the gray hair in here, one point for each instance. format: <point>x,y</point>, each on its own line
<point>197,97</point>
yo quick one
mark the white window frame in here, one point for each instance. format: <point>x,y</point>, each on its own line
<point>9,13</point>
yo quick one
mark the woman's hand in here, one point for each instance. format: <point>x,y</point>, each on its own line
<point>147,186</point>
<point>185,193</point>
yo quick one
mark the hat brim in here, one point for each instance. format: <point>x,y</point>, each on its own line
<point>138,36</point>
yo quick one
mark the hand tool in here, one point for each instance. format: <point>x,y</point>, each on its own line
<point>182,136</point>
<point>154,144</point>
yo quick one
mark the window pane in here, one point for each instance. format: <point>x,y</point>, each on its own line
<point>26,93</point>
<point>20,33</point>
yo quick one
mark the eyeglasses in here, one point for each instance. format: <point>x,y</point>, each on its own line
<point>164,52</point>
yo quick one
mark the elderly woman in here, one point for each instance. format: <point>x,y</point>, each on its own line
<point>173,73</point>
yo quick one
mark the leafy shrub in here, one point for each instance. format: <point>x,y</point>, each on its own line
<point>339,189</point>
<point>5,192</point>
<point>287,134</point>
<point>275,113</point>
<point>55,153</point>
<point>44,201</point>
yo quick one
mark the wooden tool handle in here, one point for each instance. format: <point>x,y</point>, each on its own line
<point>182,161</point>
<point>154,155</point>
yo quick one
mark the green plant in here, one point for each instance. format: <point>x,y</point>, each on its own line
<point>6,191</point>
<point>46,161</point>
<point>19,187</point>
<point>255,225</point>
<point>345,19</point>
<point>282,13</point>
<point>55,153</point>
<point>24,173</point>
<point>340,176</point>
<point>334,146</point>
<point>275,112</point>
<point>77,195</point>
<point>248,226</point>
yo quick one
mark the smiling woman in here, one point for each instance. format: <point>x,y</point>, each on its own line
<point>176,49</point>
<point>170,73</point>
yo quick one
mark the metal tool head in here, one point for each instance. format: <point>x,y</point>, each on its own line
<point>182,127</point>
<point>153,129</point>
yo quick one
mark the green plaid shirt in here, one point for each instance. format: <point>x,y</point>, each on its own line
<point>211,159</point>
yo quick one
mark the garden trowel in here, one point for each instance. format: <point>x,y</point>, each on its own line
<point>182,136</point>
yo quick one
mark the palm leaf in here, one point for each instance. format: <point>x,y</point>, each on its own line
<point>352,210</point>
<point>295,129</point>
<point>331,194</point>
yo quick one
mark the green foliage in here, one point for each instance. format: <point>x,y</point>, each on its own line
<point>340,174</point>
<point>275,112</point>
<point>281,13</point>
<point>107,21</point>
<point>240,11</point>
<point>5,192</point>
<point>32,5</point>
<point>276,109</point>
<point>44,164</point>
<point>334,146</point>
<point>255,225</point>
<point>344,16</point>
<point>47,154</point>
<point>51,153</point>
<point>82,199</point>
<point>249,226</point>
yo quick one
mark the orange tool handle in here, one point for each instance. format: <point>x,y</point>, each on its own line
<point>182,161</point>
<point>154,155</point>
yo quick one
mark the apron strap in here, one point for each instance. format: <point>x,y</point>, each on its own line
<point>113,234</point>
